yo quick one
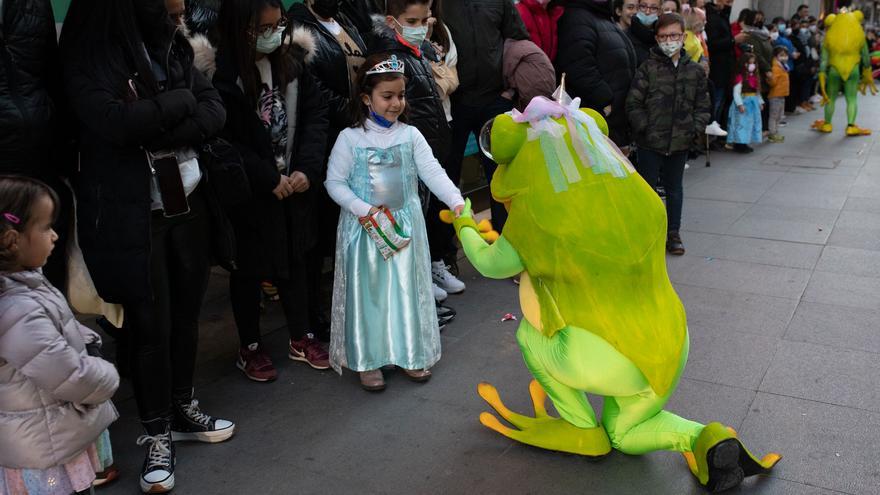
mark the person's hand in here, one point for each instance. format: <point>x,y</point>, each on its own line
<point>741,38</point>
<point>458,210</point>
<point>431,22</point>
<point>741,108</point>
<point>607,110</point>
<point>796,55</point>
<point>300,182</point>
<point>284,188</point>
<point>438,49</point>
<point>625,150</point>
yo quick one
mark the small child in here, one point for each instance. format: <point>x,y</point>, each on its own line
<point>383,309</point>
<point>779,88</point>
<point>54,392</point>
<point>744,122</point>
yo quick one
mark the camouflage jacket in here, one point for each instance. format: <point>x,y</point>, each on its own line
<point>668,106</point>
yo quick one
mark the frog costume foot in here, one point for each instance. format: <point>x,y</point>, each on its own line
<point>821,126</point>
<point>721,462</point>
<point>854,130</point>
<point>543,430</point>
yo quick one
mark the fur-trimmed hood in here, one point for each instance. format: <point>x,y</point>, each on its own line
<point>301,42</point>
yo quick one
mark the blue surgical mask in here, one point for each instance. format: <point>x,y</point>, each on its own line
<point>382,121</point>
<point>413,36</point>
<point>645,19</point>
<point>270,43</point>
<point>782,27</point>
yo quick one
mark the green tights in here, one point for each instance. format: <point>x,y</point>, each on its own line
<point>850,92</point>
<point>575,361</point>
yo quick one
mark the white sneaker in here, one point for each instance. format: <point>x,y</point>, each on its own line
<point>687,166</point>
<point>714,129</point>
<point>815,99</point>
<point>440,295</point>
<point>446,280</point>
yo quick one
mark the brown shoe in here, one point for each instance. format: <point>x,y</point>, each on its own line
<point>420,376</point>
<point>372,380</point>
<point>673,244</point>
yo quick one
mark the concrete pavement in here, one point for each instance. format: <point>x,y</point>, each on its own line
<point>782,287</point>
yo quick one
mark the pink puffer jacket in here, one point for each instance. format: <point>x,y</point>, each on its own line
<point>54,397</point>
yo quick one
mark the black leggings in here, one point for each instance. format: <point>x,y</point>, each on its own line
<point>164,330</point>
<point>244,293</point>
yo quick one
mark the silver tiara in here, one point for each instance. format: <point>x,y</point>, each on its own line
<point>392,65</point>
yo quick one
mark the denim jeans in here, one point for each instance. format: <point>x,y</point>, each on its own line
<point>670,171</point>
<point>467,119</point>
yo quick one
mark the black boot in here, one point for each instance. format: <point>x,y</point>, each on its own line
<point>673,243</point>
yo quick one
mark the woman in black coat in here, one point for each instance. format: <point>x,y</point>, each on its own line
<point>129,77</point>
<point>277,119</point>
<point>598,60</point>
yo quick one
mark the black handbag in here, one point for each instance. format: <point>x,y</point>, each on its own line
<point>223,165</point>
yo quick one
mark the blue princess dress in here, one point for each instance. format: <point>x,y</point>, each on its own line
<point>744,128</point>
<point>383,310</point>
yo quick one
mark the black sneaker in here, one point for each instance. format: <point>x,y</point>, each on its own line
<point>190,423</point>
<point>742,148</point>
<point>157,474</point>
<point>445,312</point>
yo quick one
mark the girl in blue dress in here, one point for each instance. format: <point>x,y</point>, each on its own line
<point>744,121</point>
<point>383,310</point>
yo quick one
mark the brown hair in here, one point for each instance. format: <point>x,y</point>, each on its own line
<point>18,195</point>
<point>669,20</point>
<point>364,85</point>
<point>395,8</point>
<point>743,72</point>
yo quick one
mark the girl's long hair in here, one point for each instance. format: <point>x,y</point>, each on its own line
<point>106,39</point>
<point>743,71</point>
<point>439,35</point>
<point>236,33</point>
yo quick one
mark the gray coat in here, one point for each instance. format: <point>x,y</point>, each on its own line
<point>54,397</point>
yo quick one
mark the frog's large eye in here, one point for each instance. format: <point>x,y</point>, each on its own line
<point>485,139</point>
<point>501,138</point>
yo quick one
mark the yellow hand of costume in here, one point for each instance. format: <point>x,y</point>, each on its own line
<point>466,219</point>
<point>822,78</point>
<point>867,82</point>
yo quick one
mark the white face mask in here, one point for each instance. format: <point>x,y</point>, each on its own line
<point>670,48</point>
<point>774,36</point>
<point>751,67</point>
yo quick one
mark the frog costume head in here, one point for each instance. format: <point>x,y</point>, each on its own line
<point>587,235</point>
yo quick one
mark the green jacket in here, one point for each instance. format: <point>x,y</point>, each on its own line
<point>668,106</point>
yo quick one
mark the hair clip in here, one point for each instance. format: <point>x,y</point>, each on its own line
<point>390,66</point>
<point>12,218</point>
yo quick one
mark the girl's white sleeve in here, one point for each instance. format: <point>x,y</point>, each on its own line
<point>338,170</point>
<point>737,94</point>
<point>432,173</point>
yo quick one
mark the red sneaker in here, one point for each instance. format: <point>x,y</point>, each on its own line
<point>309,350</point>
<point>255,364</point>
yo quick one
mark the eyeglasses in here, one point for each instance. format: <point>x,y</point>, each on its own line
<point>268,29</point>
<point>649,9</point>
<point>670,37</point>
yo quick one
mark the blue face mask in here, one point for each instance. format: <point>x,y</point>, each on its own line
<point>413,36</point>
<point>382,121</point>
<point>268,44</point>
<point>645,19</point>
<point>782,27</point>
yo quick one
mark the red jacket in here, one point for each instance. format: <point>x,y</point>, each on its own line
<point>541,20</point>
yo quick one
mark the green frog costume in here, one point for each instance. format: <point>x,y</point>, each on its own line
<point>587,235</point>
<point>844,56</point>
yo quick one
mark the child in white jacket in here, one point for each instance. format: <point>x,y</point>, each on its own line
<point>54,390</point>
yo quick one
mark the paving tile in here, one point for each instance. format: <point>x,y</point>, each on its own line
<point>843,290</point>
<point>870,205</point>
<point>724,311</point>
<point>765,252</point>
<point>734,359</point>
<point>861,262</point>
<point>744,186</point>
<point>742,277</point>
<point>824,374</point>
<point>786,223</point>
<point>822,445</point>
<point>714,217</point>
<point>809,191</point>
<point>836,326</point>
<point>698,243</point>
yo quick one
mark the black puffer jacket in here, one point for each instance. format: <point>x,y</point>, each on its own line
<point>113,186</point>
<point>721,45</point>
<point>642,38</point>
<point>30,79</point>
<point>598,60</point>
<point>424,106</point>
<point>329,66</point>
<point>269,232</point>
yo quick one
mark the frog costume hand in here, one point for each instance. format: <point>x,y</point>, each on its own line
<point>588,236</point>
<point>846,64</point>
